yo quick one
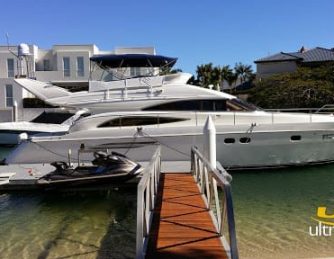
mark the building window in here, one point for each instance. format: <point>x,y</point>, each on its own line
<point>9,96</point>
<point>46,65</point>
<point>80,66</point>
<point>10,67</point>
<point>66,65</point>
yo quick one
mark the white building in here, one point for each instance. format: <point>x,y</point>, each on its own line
<point>63,65</point>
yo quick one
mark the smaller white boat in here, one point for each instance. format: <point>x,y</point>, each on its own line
<point>47,122</point>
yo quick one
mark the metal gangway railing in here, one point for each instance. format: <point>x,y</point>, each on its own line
<point>146,198</point>
<point>219,204</point>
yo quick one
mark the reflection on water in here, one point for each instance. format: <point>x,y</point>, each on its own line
<point>274,209</point>
<point>92,224</point>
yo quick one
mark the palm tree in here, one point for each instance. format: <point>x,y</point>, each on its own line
<point>204,74</point>
<point>216,77</point>
<point>244,72</point>
<point>232,79</point>
<point>227,74</point>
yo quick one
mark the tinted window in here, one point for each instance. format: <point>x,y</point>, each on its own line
<point>245,140</point>
<point>138,121</point>
<point>204,105</point>
<point>296,138</point>
<point>52,117</point>
<point>229,140</point>
<point>191,105</point>
<point>240,105</point>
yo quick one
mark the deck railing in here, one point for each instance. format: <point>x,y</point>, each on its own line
<point>220,118</point>
<point>146,196</point>
<point>209,179</point>
<point>325,109</point>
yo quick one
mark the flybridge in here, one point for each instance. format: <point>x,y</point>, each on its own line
<point>123,82</point>
<point>135,71</point>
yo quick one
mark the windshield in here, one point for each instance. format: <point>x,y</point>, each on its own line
<point>113,74</point>
<point>236,104</point>
<point>52,117</point>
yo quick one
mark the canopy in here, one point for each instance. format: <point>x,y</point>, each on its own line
<point>133,60</point>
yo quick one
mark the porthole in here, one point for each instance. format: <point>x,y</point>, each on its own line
<point>245,140</point>
<point>229,140</point>
<point>295,138</point>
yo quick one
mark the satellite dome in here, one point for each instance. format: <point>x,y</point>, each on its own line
<point>23,50</point>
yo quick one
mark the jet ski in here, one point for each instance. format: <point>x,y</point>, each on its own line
<point>105,168</point>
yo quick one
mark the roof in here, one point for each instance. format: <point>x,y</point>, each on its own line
<point>133,60</point>
<point>313,55</point>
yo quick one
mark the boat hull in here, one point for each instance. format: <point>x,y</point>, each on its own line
<point>267,146</point>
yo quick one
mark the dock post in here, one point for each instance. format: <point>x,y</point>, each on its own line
<point>209,147</point>
<point>210,154</point>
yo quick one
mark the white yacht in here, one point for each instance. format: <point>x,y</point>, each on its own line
<point>164,109</point>
<point>245,139</point>
<point>51,122</point>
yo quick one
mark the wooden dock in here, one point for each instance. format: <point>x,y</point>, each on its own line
<point>182,226</point>
<point>185,215</point>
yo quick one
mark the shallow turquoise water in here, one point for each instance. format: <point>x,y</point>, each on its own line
<point>72,224</point>
<point>68,225</point>
<point>274,209</point>
<point>273,213</point>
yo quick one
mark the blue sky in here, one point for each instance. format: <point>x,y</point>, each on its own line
<point>197,32</point>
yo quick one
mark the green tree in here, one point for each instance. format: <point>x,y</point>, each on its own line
<point>228,75</point>
<point>243,72</point>
<point>306,88</point>
<point>216,77</point>
<point>204,74</point>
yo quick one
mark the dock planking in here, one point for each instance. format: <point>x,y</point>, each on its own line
<point>182,226</point>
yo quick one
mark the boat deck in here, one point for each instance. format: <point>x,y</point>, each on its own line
<point>182,226</point>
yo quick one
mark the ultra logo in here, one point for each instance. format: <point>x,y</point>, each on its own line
<point>325,223</point>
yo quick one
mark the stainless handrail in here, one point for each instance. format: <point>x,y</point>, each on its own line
<point>208,179</point>
<point>327,108</point>
<point>146,196</point>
